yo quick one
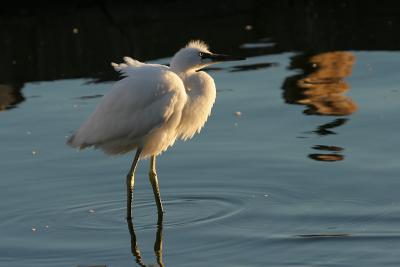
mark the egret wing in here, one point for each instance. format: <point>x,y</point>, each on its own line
<point>136,105</point>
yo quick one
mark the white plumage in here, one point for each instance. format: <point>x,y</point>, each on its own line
<point>150,108</point>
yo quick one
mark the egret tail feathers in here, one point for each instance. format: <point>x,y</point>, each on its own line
<point>72,142</point>
<point>126,66</point>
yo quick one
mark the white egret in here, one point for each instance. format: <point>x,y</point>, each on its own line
<point>150,108</point>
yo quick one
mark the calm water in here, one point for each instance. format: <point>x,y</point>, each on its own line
<point>306,179</point>
<point>307,175</point>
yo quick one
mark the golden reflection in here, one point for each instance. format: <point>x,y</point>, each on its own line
<point>321,88</point>
<point>157,244</point>
<point>326,157</point>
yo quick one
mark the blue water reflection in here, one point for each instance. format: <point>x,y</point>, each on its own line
<point>250,190</point>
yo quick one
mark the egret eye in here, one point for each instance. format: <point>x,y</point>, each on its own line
<point>201,54</point>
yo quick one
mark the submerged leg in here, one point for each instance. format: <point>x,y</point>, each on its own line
<point>158,242</point>
<point>154,184</point>
<point>130,182</point>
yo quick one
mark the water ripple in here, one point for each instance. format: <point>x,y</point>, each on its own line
<point>182,210</point>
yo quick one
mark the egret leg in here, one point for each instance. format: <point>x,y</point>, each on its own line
<point>154,184</point>
<point>130,182</point>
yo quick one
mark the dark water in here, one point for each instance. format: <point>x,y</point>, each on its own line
<point>307,175</point>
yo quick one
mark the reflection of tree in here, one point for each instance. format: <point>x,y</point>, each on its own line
<point>10,96</point>
<point>321,87</point>
<point>325,128</point>
<point>326,157</point>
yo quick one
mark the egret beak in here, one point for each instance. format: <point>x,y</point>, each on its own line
<point>219,57</point>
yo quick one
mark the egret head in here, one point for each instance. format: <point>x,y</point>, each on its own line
<point>195,56</point>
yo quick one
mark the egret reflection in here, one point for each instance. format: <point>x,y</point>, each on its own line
<point>321,89</point>
<point>157,244</point>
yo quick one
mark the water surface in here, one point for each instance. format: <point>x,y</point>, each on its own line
<point>297,166</point>
<point>247,191</point>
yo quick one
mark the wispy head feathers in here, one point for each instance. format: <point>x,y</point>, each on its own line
<point>198,44</point>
